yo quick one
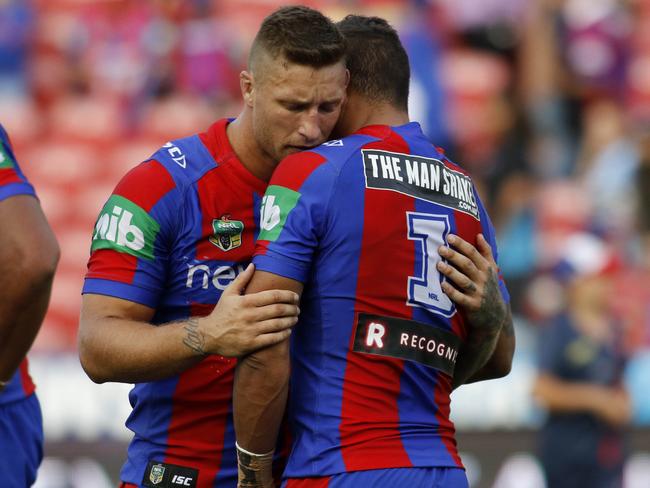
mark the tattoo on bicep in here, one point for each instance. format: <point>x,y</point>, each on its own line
<point>194,339</point>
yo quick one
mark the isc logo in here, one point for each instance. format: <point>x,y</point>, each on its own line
<point>182,480</point>
<point>117,227</point>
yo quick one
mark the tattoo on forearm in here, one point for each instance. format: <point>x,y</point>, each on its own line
<point>254,471</point>
<point>508,326</point>
<point>194,339</point>
<point>493,317</point>
<point>491,311</point>
<point>248,475</point>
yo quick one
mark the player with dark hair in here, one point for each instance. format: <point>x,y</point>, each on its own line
<point>29,254</point>
<point>176,237</point>
<point>388,328</point>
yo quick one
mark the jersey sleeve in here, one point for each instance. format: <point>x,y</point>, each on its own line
<point>134,235</point>
<point>12,180</point>
<point>293,216</point>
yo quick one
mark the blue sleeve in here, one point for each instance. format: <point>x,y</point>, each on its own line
<point>133,236</point>
<point>293,220</point>
<point>12,180</point>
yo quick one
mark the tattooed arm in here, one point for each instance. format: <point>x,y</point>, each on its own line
<point>500,362</point>
<point>117,342</point>
<point>472,284</point>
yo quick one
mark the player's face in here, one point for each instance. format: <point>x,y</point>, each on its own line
<point>295,107</point>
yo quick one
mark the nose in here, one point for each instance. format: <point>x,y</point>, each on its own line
<point>310,129</point>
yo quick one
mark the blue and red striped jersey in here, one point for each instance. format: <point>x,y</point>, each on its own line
<point>12,183</point>
<point>359,222</point>
<point>176,231</point>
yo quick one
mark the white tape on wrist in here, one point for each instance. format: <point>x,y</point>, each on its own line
<point>239,448</point>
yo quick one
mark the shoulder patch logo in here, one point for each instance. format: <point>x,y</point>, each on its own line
<point>176,154</point>
<point>227,233</point>
<point>5,158</point>
<point>336,142</point>
<point>156,474</point>
<point>125,227</point>
<point>276,205</point>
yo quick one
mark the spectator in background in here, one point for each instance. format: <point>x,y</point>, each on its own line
<point>16,24</point>
<point>607,164</point>
<point>28,257</point>
<point>580,375</point>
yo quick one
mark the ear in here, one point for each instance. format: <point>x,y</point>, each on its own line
<point>347,77</point>
<point>247,86</point>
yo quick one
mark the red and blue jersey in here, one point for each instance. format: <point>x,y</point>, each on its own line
<point>12,183</point>
<point>176,231</point>
<point>359,222</point>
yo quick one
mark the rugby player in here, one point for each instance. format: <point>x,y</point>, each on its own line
<point>358,227</point>
<point>176,237</point>
<point>29,255</point>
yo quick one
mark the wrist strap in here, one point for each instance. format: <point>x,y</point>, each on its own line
<point>254,470</point>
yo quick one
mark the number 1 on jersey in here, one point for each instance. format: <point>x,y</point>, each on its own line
<point>424,290</point>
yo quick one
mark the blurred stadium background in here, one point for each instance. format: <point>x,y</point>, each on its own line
<point>546,102</point>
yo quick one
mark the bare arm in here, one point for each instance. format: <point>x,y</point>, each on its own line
<point>117,342</point>
<point>488,350</point>
<point>260,394</point>
<point>611,404</point>
<point>500,362</point>
<point>28,258</point>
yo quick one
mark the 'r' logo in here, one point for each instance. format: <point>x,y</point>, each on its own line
<point>375,335</point>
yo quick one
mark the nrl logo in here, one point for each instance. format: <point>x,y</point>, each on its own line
<point>156,473</point>
<point>227,233</point>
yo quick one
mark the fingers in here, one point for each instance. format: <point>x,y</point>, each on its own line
<point>460,261</point>
<point>466,269</point>
<point>276,324</point>
<point>484,248</point>
<point>269,297</point>
<point>266,340</point>
<point>468,250</point>
<point>460,280</point>
<point>455,295</point>
<point>273,311</point>
<point>240,283</point>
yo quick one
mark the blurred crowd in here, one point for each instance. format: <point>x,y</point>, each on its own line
<point>546,102</point>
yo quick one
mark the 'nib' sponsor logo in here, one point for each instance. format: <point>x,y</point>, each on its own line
<point>277,204</point>
<point>270,213</point>
<point>121,231</point>
<point>125,227</point>
<point>5,158</point>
